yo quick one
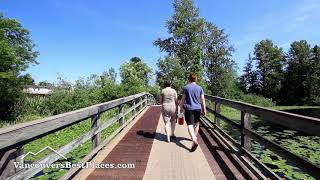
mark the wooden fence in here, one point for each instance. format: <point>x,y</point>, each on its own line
<point>14,137</point>
<point>300,123</point>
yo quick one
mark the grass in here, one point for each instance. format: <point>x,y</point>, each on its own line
<point>62,137</point>
<point>280,108</point>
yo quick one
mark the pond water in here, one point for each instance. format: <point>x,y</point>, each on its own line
<point>300,143</point>
<point>305,145</point>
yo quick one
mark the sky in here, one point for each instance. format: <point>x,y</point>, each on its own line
<point>77,38</point>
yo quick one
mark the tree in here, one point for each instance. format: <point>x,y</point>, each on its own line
<point>27,79</point>
<point>249,81</point>
<point>314,78</point>
<point>135,76</point>
<point>135,59</point>
<point>45,83</point>
<point>296,84</point>
<point>269,59</point>
<point>16,54</point>
<point>218,65</point>
<point>186,41</point>
<point>169,68</point>
<point>108,87</point>
<point>196,46</point>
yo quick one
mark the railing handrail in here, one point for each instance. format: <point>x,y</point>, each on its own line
<point>10,137</point>
<point>14,137</point>
<point>309,125</point>
<point>301,123</point>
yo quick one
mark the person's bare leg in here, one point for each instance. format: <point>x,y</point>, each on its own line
<point>173,126</point>
<point>168,130</point>
<point>192,133</point>
<point>196,128</point>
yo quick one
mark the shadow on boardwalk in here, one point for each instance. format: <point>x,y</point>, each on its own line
<point>228,165</point>
<point>163,137</point>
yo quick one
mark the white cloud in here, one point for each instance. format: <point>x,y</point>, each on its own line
<point>302,15</point>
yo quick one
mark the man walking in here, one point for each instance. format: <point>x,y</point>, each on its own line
<point>194,105</point>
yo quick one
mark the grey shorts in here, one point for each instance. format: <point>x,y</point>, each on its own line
<point>169,112</point>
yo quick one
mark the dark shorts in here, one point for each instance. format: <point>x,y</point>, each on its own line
<point>192,116</point>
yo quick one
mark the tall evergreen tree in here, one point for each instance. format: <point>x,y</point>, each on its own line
<point>314,78</point>
<point>269,59</point>
<point>249,81</point>
<point>296,86</point>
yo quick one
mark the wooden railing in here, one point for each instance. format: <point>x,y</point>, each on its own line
<point>300,123</point>
<point>14,137</point>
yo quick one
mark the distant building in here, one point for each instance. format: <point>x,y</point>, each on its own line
<point>38,90</point>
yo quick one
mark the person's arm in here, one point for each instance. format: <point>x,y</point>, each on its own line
<point>203,103</point>
<point>176,99</point>
<point>182,101</point>
<point>161,98</point>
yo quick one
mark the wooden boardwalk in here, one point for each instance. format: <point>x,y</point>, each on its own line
<point>140,141</point>
<point>143,143</point>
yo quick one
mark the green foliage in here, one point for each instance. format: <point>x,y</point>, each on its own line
<point>295,87</point>
<point>70,133</point>
<point>135,76</point>
<point>45,83</point>
<point>251,98</point>
<point>219,67</point>
<point>195,46</point>
<point>169,68</point>
<point>16,53</point>
<point>154,90</point>
<point>314,77</point>
<point>289,80</point>
<point>269,58</point>
<point>185,43</point>
<point>256,100</point>
<point>249,81</point>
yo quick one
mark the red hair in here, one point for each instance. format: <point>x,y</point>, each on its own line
<point>193,77</point>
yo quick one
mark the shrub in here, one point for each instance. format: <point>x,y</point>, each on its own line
<point>67,100</point>
<point>256,100</point>
<point>154,90</point>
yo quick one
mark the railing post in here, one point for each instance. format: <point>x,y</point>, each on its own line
<point>7,159</point>
<point>134,109</point>
<point>95,123</point>
<point>121,111</point>
<point>217,111</point>
<point>145,100</point>
<point>245,124</point>
<point>140,100</point>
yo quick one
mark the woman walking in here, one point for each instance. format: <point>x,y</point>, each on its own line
<point>169,108</point>
<point>193,103</point>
